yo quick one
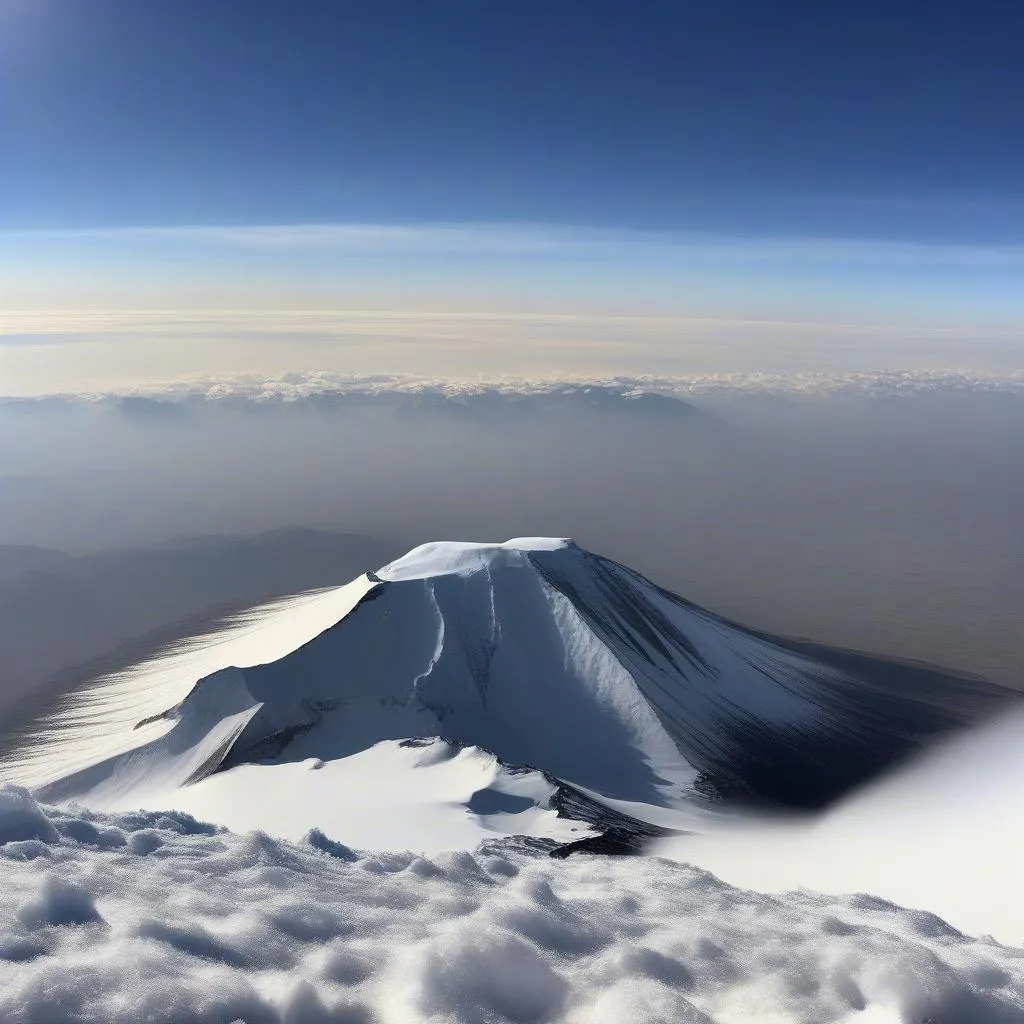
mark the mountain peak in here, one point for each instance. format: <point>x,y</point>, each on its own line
<point>460,558</point>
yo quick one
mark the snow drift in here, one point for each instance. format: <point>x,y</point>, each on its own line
<point>114,919</point>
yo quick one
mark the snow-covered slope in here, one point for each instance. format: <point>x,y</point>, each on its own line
<point>944,832</point>
<point>535,652</point>
<point>425,795</point>
<point>126,711</point>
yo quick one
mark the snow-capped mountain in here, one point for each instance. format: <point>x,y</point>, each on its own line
<point>404,752</point>
<point>487,680</point>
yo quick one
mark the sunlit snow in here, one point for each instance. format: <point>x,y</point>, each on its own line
<point>118,919</point>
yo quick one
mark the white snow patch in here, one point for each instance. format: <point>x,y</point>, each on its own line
<point>445,558</point>
<point>218,710</point>
<point>482,651</point>
<point>428,798</point>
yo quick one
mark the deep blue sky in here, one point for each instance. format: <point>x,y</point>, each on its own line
<point>883,119</point>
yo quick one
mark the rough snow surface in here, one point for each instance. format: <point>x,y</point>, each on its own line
<point>157,917</point>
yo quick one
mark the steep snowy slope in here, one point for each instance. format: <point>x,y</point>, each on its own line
<point>541,654</point>
<point>126,711</point>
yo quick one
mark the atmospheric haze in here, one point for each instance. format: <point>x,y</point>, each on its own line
<point>878,520</point>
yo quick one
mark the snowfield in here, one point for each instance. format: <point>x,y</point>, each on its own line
<point>425,795</point>
<point>156,917</point>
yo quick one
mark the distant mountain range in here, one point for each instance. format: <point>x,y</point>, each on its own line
<point>460,404</point>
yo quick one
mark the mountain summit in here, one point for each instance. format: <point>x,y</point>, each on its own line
<point>517,669</point>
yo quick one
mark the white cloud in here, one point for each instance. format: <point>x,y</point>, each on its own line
<point>294,385</point>
<point>48,352</point>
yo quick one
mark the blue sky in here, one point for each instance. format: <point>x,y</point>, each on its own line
<point>877,117</point>
<point>794,159</point>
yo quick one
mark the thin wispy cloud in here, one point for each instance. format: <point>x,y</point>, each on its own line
<point>298,385</point>
<point>496,298</point>
<point>528,240</point>
<point>424,322</point>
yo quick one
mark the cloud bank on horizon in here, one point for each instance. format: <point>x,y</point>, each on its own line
<point>114,307</point>
<point>47,352</point>
<point>175,396</point>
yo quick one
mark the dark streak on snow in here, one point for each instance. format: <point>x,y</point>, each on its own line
<point>872,712</point>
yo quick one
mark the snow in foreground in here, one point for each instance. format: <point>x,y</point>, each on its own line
<point>123,918</point>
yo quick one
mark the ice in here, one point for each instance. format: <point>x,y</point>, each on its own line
<point>217,927</point>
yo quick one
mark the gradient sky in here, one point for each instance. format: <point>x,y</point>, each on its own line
<point>794,160</point>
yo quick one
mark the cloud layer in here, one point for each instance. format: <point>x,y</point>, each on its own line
<point>48,352</point>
